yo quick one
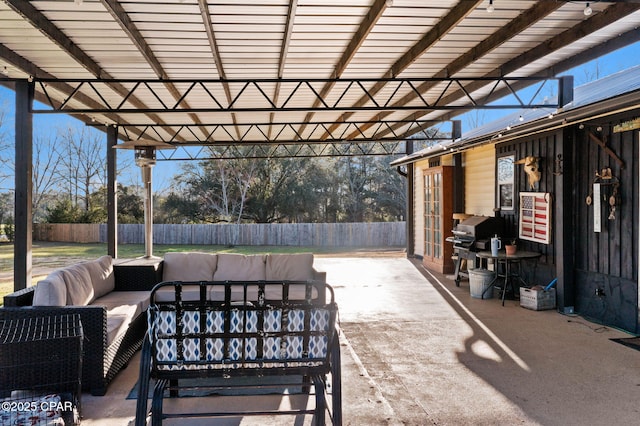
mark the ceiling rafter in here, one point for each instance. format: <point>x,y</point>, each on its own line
<point>215,50</point>
<point>439,30</point>
<point>596,22</point>
<point>122,18</point>
<point>46,27</point>
<point>296,45</point>
<point>514,27</point>
<point>286,39</point>
<point>364,29</point>
<point>30,68</point>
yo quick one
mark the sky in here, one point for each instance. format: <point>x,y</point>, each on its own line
<point>47,125</point>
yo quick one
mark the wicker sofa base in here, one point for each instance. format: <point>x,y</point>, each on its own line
<point>100,362</point>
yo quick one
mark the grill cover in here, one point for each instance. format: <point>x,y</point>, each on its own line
<point>479,227</point>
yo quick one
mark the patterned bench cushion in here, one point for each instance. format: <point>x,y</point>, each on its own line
<point>207,334</point>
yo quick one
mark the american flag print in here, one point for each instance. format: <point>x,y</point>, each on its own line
<point>535,220</point>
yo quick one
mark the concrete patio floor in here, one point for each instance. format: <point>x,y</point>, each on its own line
<point>417,350</point>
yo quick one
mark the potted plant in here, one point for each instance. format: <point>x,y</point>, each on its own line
<point>511,247</point>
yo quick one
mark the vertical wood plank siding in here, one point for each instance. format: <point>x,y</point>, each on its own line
<point>375,234</point>
<point>606,259</point>
<point>479,178</point>
<point>546,147</point>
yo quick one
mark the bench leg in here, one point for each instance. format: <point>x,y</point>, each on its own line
<point>143,383</point>
<point>306,384</point>
<point>336,383</point>
<point>156,403</point>
<point>320,400</point>
<point>173,386</point>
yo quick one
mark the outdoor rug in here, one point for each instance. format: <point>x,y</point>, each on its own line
<point>236,386</point>
<point>631,342</point>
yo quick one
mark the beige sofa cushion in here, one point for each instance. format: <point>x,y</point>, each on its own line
<point>294,267</point>
<point>112,300</point>
<point>102,278</point>
<point>168,293</point>
<point>239,267</point>
<point>79,286</point>
<point>191,266</point>
<point>122,308</point>
<point>51,291</point>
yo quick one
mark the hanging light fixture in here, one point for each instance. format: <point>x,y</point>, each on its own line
<point>490,8</point>
<point>145,157</point>
<point>587,10</point>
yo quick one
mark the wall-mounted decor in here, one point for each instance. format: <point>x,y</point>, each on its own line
<point>605,189</point>
<point>532,169</point>
<point>534,223</point>
<point>505,176</point>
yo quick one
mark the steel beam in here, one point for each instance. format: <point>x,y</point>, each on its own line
<point>296,95</point>
<point>288,132</point>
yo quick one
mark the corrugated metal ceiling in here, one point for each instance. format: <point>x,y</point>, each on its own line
<point>289,39</point>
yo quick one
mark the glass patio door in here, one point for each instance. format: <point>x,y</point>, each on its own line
<point>438,213</point>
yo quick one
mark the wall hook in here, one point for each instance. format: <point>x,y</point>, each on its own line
<point>558,168</point>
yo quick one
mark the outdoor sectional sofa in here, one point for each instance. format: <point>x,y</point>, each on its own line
<point>112,306</point>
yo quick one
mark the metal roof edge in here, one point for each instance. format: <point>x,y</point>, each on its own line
<point>606,107</point>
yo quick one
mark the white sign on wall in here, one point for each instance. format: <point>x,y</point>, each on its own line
<point>597,208</point>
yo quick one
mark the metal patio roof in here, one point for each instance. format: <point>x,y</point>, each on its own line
<point>204,72</point>
<point>621,90</point>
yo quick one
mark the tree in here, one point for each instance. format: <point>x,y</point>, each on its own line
<point>63,211</point>
<point>219,189</point>
<point>286,190</point>
<point>83,166</point>
<point>390,194</point>
<point>45,177</point>
<point>6,213</point>
<point>174,208</point>
<point>6,157</point>
<point>275,190</point>
<point>130,205</point>
<point>355,171</point>
<point>318,193</point>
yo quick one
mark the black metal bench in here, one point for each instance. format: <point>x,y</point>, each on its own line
<point>227,330</point>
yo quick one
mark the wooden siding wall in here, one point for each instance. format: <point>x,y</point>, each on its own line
<point>546,146</point>
<point>377,234</point>
<point>479,178</point>
<point>608,259</point>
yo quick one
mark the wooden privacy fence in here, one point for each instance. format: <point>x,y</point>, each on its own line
<point>375,234</point>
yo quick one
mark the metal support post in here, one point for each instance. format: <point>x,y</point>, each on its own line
<point>22,249</point>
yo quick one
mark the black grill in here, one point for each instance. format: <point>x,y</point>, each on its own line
<point>470,236</point>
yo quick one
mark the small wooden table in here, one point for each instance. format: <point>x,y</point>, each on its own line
<point>508,261</point>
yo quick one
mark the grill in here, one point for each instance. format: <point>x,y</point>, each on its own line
<point>470,236</point>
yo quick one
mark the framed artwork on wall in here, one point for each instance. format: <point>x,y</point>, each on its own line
<point>505,182</point>
<point>535,217</point>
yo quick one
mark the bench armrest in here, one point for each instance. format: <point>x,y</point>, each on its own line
<point>319,276</point>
